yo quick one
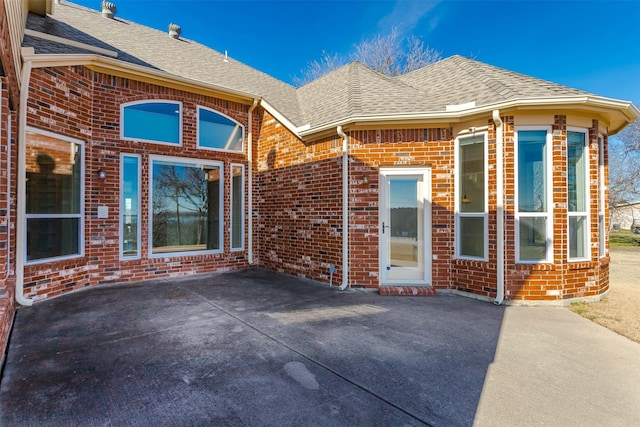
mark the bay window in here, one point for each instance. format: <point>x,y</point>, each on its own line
<point>533,196</point>
<point>471,200</point>
<point>577,195</point>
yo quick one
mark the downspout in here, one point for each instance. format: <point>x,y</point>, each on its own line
<point>250,179</point>
<point>500,283</point>
<point>345,208</point>
<point>21,188</point>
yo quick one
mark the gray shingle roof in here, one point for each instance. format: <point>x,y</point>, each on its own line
<point>145,46</point>
<point>349,92</point>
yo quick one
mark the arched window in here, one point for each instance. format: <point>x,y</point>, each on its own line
<point>156,121</point>
<point>219,132</point>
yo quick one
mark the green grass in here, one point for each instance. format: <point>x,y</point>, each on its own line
<point>623,239</point>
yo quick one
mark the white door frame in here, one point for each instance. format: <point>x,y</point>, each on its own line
<point>425,173</point>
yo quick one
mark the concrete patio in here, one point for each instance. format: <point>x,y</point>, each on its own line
<point>257,348</point>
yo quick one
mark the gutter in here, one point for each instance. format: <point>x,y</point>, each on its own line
<point>500,282</point>
<point>345,208</point>
<point>21,190</point>
<point>250,179</point>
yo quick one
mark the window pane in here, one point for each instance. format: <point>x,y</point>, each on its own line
<point>532,171</point>
<point>577,237</point>
<point>218,131</point>
<point>130,209</point>
<point>185,207</point>
<point>50,238</point>
<point>576,173</point>
<point>53,175</point>
<point>152,121</point>
<point>472,236</point>
<point>237,214</point>
<point>472,192</point>
<point>533,238</point>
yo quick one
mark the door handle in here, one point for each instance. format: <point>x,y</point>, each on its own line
<point>384,226</point>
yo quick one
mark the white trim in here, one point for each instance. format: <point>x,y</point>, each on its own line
<point>602,219</point>
<point>138,157</point>
<point>187,160</point>
<point>587,198</point>
<point>548,191</point>
<point>224,150</point>
<point>242,206</point>
<point>457,190</point>
<point>151,141</point>
<point>68,42</point>
<point>425,172</point>
<point>80,215</point>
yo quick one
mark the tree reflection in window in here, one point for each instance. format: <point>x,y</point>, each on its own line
<point>186,206</point>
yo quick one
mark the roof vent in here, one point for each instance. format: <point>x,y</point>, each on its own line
<point>174,31</point>
<point>108,9</point>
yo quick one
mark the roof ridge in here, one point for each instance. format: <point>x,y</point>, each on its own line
<point>355,92</point>
<point>465,65</point>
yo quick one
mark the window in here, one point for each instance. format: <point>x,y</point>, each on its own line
<point>577,194</point>
<point>602,229</point>
<point>129,206</point>
<point>152,121</point>
<point>218,131</point>
<point>471,200</point>
<point>533,197</point>
<point>237,207</point>
<point>186,206</point>
<point>54,197</point>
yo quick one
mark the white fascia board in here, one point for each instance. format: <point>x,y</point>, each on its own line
<point>283,120</point>
<point>115,65</point>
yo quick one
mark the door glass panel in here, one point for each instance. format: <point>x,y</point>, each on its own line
<point>405,232</point>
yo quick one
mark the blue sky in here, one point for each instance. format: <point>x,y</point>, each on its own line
<point>589,45</point>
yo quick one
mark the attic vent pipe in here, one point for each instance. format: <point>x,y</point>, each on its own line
<point>174,31</point>
<point>108,9</point>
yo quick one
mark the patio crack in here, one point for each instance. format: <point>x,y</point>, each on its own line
<point>316,362</point>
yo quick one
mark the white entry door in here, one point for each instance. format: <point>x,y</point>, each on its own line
<point>405,224</point>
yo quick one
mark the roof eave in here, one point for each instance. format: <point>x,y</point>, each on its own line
<point>625,109</point>
<point>125,69</point>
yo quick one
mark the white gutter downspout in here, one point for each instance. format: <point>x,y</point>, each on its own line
<point>500,285</point>
<point>345,208</point>
<point>21,188</point>
<point>250,179</point>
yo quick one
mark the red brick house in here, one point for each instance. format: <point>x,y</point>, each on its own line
<point>131,154</point>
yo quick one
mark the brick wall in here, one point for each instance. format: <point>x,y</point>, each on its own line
<point>299,202</point>
<point>301,217</point>
<point>79,103</point>
<point>8,157</point>
<point>297,196</point>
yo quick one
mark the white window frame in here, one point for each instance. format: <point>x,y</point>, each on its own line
<point>549,199</point>
<point>602,223</point>
<point>458,188</point>
<point>202,147</point>
<point>242,214</point>
<point>122,208</point>
<point>80,215</point>
<point>187,160</point>
<point>587,202</point>
<point>152,141</point>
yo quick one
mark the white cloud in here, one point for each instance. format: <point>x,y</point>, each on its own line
<point>408,14</point>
